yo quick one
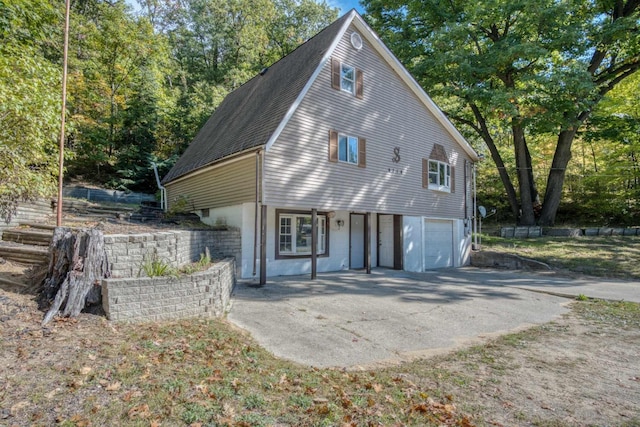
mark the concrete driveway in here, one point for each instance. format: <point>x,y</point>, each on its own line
<point>351,319</point>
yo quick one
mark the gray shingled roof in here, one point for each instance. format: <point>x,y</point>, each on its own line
<point>250,114</point>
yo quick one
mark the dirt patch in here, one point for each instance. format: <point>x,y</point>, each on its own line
<point>578,371</point>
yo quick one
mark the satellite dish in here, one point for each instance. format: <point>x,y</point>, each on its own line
<point>483,211</point>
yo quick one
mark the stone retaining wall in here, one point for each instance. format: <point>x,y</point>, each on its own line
<point>127,253</point>
<point>526,232</point>
<point>205,293</point>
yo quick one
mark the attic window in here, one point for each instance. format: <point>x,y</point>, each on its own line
<point>356,41</point>
<point>347,78</point>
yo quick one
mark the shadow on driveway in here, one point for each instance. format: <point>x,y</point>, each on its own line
<point>351,319</point>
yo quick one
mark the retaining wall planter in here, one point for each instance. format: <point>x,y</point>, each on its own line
<point>205,294</point>
<point>128,252</point>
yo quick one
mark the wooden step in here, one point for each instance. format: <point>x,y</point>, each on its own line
<point>38,225</point>
<point>24,254</point>
<point>27,236</point>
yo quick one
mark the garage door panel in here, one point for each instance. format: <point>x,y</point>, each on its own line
<point>438,244</point>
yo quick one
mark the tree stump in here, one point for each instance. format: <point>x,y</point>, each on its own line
<point>77,265</point>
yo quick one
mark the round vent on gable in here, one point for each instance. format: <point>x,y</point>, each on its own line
<point>356,41</point>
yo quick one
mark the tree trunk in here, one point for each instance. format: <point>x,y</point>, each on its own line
<point>78,263</point>
<point>555,181</point>
<point>523,165</point>
<point>495,155</point>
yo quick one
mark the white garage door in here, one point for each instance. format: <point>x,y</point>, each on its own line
<point>438,244</point>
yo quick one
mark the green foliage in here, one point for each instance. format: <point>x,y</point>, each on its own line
<point>202,264</point>
<point>156,267</point>
<point>28,153</point>
<point>181,205</point>
<point>532,71</point>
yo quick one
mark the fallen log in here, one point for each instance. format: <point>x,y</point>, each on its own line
<point>77,265</point>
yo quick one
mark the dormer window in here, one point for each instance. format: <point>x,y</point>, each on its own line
<point>347,78</point>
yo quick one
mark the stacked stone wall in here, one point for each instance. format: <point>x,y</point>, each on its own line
<point>205,293</point>
<point>127,253</point>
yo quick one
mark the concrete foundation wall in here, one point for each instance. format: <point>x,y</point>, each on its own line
<point>205,293</point>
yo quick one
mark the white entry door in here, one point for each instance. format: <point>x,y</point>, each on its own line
<point>438,244</point>
<point>385,241</point>
<point>356,250</point>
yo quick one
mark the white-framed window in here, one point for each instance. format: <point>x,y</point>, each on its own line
<point>439,175</point>
<point>294,234</point>
<point>348,78</point>
<point>348,149</point>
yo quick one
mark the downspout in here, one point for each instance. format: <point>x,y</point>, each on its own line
<point>163,191</point>
<point>474,172</point>
<point>257,202</point>
<point>466,196</point>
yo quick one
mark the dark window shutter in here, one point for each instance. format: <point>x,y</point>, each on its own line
<point>425,173</point>
<point>333,146</point>
<point>359,84</point>
<point>362,152</point>
<point>335,73</point>
<point>453,180</point>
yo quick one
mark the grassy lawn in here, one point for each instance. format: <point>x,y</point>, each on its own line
<point>611,256</point>
<point>205,372</point>
<point>201,372</point>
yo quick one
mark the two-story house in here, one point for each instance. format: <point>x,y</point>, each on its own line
<point>336,134</point>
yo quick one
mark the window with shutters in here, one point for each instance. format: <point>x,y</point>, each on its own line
<point>347,78</point>
<point>347,149</point>
<point>294,234</point>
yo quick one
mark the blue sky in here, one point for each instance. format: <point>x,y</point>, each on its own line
<point>346,5</point>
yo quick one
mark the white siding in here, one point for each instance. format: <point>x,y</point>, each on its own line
<point>297,170</point>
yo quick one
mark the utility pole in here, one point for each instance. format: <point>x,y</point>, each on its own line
<point>63,114</point>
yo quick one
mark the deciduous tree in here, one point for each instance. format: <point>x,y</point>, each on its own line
<point>524,67</point>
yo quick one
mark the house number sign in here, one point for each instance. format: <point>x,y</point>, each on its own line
<point>396,155</point>
<point>396,159</point>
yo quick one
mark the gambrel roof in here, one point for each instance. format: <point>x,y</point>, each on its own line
<point>253,115</point>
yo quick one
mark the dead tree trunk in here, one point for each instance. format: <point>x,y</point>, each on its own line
<point>77,265</point>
